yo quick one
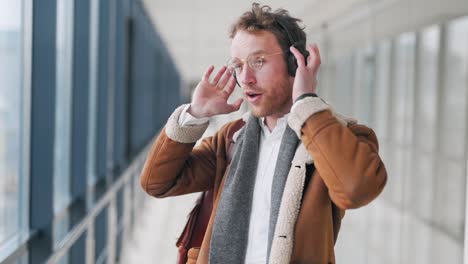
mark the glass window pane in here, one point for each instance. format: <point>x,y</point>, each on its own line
<point>328,93</point>
<point>422,200</point>
<point>63,104</point>
<point>343,89</point>
<point>11,116</point>
<point>364,85</point>
<point>426,101</point>
<point>450,183</point>
<point>403,88</point>
<point>453,108</point>
<point>449,202</point>
<point>382,90</point>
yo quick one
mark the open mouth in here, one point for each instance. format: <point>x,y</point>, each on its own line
<point>252,95</point>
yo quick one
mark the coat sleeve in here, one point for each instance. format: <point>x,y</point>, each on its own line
<point>345,155</point>
<point>174,166</point>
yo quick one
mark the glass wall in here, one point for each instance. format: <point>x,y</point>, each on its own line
<point>343,89</point>
<point>54,149</point>
<point>364,84</point>
<point>382,90</point>
<point>417,235</point>
<point>420,105</point>
<point>450,182</point>
<point>13,102</point>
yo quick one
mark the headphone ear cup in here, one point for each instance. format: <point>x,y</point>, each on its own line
<point>292,63</point>
<point>305,53</point>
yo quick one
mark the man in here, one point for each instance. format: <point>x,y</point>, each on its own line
<point>283,175</point>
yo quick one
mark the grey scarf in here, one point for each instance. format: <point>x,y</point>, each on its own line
<point>231,224</point>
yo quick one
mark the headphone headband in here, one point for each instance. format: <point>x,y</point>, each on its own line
<point>285,29</point>
<point>290,59</point>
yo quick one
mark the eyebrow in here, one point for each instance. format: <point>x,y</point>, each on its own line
<point>254,53</point>
<point>258,52</point>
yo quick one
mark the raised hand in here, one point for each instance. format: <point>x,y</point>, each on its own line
<point>306,75</point>
<point>210,97</point>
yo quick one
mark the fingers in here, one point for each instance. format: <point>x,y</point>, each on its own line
<point>314,60</point>
<point>230,86</point>
<point>224,80</point>
<point>218,76</point>
<point>208,72</point>
<point>236,105</point>
<point>299,57</point>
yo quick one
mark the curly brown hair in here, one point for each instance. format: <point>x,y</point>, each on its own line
<point>285,27</point>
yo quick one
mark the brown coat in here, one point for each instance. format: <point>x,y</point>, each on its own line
<point>349,174</point>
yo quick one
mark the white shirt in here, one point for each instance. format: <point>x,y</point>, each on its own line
<point>261,202</point>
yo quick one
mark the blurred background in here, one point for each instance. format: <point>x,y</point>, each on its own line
<point>85,85</point>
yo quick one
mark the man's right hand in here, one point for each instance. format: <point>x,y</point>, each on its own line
<point>210,98</point>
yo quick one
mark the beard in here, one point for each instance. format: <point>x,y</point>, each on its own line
<point>277,103</point>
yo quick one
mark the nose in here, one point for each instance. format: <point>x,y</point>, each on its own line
<point>246,76</point>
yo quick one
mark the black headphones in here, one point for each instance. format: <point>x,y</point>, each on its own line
<point>290,59</point>
<point>289,56</point>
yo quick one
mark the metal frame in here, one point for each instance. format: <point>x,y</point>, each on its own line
<point>80,123</point>
<point>120,107</point>
<point>111,90</point>
<point>87,224</point>
<point>93,78</point>
<point>102,90</point>
<point>465,242</point>
<point>26,115</point>
<point>43,95</point>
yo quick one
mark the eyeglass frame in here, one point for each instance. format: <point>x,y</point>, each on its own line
<point>262,57</point>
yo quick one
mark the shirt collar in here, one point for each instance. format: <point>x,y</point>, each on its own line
<point>280,124</point>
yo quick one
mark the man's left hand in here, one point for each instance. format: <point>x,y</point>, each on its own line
<point>306,74</point>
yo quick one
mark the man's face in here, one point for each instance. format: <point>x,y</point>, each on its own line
<point>268,90</point>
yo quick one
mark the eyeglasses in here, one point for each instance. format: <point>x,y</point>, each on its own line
<point>255,62</point>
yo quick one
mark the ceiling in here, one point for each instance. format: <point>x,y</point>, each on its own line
<point>196,32</point>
